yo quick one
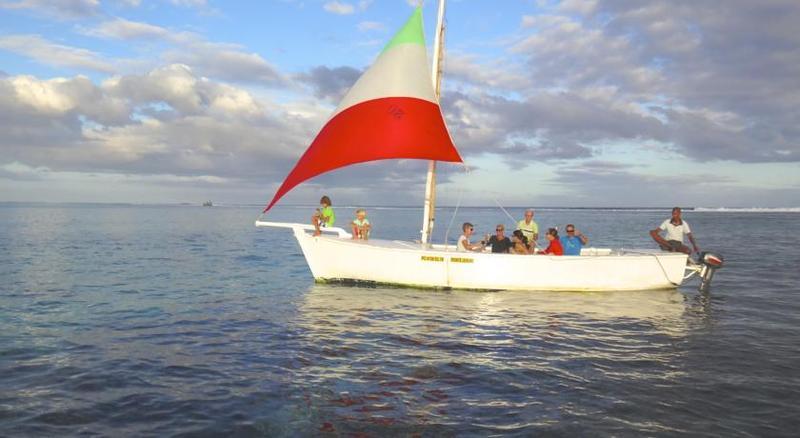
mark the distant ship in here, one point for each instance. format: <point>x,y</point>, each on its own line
<point>208,204</point>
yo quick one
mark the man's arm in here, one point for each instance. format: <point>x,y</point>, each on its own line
<point>584,239</point>
<point>473,246</point>
<point>657,237</point>
<point>694,244</point>
<point>478,247</point>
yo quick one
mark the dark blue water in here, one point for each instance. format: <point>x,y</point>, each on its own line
<point>163,321</point>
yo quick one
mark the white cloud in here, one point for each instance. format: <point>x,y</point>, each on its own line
<point>689,63</point>
<point>579,6</point>
<point>189,3</point>
<point>340,8</point>
<point>59,55</point>
<point>21,171</point>
<point>64,9</point>
<point>168,121</point>
<point>42,95</point>
<point>497,74</point>
<point>366,26</point>
<point>226,61</point>
<point>220,60</point>
<point>121,28</point>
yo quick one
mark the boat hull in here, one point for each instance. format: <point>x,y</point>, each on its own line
<point>338,258</point>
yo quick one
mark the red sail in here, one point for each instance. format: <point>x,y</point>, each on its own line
<point>378,129</point>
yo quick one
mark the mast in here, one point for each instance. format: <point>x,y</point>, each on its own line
<point>429,210</point>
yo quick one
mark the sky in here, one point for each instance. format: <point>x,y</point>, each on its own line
<point>577,103</point>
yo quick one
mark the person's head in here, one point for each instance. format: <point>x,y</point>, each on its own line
<point>529,214</point>
<point>326,201</point>
<point>676,213</point>
<point>552,234</point>
<point>500,229</point>
<point>467,228</point>
<point>361,213</point>
<point>517,236</point>
<point>570,229</point>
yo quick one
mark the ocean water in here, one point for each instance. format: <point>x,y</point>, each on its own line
<point>120,320</point>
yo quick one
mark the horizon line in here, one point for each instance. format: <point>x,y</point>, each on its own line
<point>259,205</point>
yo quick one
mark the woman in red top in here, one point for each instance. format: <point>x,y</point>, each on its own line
<point>555,245</point>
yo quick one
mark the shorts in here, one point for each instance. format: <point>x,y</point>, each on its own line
<point>673,246</point>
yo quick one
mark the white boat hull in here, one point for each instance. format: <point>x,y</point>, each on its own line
<point>338,258</point>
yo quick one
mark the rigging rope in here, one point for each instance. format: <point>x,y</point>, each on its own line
<point>513,221</point>
<point>458,204</point>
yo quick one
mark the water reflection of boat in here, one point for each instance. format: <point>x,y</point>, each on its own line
<point>384,361</point>
<point>663,309</point>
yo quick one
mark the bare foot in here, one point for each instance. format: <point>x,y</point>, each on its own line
<point>317,233</point>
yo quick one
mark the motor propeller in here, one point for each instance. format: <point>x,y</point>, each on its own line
<point>710,263</point>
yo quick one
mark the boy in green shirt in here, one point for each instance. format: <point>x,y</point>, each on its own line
<point>324,216</point>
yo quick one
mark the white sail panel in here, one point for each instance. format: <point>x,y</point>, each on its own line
<point>401,71</point>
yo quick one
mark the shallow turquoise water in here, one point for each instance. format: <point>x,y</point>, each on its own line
<point>169,320</point>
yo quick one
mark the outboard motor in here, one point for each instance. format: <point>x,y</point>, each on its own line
<point>710,263</point>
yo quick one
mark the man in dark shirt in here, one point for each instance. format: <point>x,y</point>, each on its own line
<point>499,242</point>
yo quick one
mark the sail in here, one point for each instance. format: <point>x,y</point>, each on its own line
<point>391,112</point>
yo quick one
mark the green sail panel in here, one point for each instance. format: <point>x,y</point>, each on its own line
<point>411,33</point>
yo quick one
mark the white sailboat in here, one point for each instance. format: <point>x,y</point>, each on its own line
<point>393,111</point>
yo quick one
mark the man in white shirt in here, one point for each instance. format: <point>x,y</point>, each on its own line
<point>675,228</point>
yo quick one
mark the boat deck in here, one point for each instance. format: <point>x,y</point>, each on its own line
<point>339,234</point>
<point>450,249</point>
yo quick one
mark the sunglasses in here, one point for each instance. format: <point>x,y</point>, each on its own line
<point>570,231</point>
<point>499,229</point>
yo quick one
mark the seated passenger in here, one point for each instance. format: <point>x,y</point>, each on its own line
<point>573,241</point>
<point>520,243</point>
<point>323,216</point>
<point>360,225</point>
<point>555,246</point>
<point>676,228</point>
<point>500,243</point>
<point>463,241</point>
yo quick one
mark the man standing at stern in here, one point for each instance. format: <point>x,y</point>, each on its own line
<point>675,228</point>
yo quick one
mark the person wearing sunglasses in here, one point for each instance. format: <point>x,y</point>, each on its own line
<point>573,241</point>
<point>463,241</point>
<point>554,248</point>
<point>499,242</point>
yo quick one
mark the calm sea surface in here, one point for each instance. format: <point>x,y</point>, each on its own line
<point>170,320</point>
